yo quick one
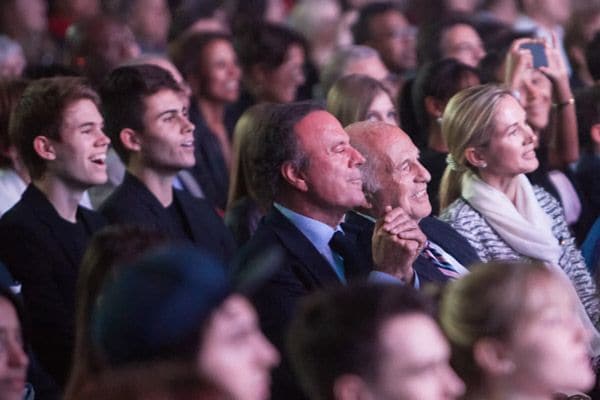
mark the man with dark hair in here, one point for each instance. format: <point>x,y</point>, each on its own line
<point>376,341</point>
<point>146,117</point>
<point>383,26</point>
<point>57,130</point>
<point>308,171</point>
<point>393,177</point>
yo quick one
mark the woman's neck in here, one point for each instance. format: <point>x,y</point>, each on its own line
<point>506,184</point>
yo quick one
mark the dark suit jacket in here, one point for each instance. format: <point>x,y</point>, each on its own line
<point>436,231</point>
<point>133,203</point>
<point>285,267</point>
<point>43,255</point>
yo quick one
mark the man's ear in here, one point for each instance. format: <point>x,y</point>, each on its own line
<point>475,157</point>
<point>294,176</point>
<point>493,357</point>
<point>131,139</point>
<point>351,387</point>
<point>44,148</point>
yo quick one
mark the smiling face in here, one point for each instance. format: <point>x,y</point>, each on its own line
<point>79,156</point>
<point>234,352</point>
<point>13,360</point>
<point>382,109</point>
<point>331,179</point>
<point>511,149</point>
<point>549,348</point>
<point>280,84</point>
<point>220,71</point>
<point>167,143</point>
<point>415,361</point>
<point>402,179</point>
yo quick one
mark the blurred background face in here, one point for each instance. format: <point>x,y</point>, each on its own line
<point>280,84</point>
<point>234,353</point>
<point>382,110</point>
<point>30,14</point>
<point>464,44</point>
<point>13,360</point>
<point>536,99</point>
<point>221,73</point>
<point>394,38</point>
<point>549,347</point>
<point>150,20</point>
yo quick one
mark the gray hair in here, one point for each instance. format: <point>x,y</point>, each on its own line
<point>337,65</point>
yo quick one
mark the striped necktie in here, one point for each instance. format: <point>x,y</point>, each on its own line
<point>440,261</point>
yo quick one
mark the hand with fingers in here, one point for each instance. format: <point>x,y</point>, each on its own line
<point>396,243</point>
<point>518,64</point>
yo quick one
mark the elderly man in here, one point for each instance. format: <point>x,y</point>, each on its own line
<point>309,173</point>
<point>395,179</point>
<point>391,348</point>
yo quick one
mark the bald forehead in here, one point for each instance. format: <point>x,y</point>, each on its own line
<point>376,135</point>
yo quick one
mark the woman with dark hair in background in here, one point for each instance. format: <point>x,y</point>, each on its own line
<point>209,64</point>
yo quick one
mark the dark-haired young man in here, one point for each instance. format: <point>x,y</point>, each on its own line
<point>146,117</point>
<point>57,129</point>
<point>390,347</point>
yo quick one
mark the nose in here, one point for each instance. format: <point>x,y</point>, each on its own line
<point>268,356</point>
<point>423,174</point>
<point>103,139</point>
<point>356,159</point>
<point>16,355</point>
<point>187,125</point>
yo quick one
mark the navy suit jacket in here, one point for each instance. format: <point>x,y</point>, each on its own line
<point>45,259</point>
<point>133,203</point>
<point>436,231</point>
<point>284,267</point>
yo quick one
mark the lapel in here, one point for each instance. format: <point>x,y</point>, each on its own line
<point>444,235</point>
<point>301,248</point>
<point>196,221</point>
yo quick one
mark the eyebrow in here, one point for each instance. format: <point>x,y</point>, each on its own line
<point>89,125</point>
<point>171,111</point>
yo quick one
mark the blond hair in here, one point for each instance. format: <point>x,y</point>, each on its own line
<point>468,121</point>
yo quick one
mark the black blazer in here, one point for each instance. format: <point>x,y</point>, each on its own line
<point>44,256</point>
<point>282,266</point>
<point>133,203</point>
<point>438,232</point>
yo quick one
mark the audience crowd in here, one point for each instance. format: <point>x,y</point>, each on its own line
<point>299,199</point>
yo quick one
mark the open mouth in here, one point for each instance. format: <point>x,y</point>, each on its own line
<point>188,143</point>
<point>99,159</point>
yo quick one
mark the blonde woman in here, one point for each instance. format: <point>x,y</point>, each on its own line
<point>487,198</point>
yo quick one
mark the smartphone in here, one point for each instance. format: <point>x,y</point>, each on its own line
<point>539,53</point>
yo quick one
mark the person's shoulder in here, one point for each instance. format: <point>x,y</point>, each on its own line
<point>457,210</point>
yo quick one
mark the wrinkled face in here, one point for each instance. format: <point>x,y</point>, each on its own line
<point>221,72</point>
<point>280,85</point>
<point>549,348</point>
<point>167,143</point>
<point>511,150</point>
<point>536,98</point>
<point>394,38</point>
<point>464,44</point>
<point>234,353</point>
<point>150,20</point>
<point>415,361</point>
<point>382,109</point>
<point>79,156</point>
<point>13,360</point>
<point>332,179</point>
<point>402,178</point>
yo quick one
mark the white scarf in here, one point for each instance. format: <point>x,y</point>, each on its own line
<point>523,225</point>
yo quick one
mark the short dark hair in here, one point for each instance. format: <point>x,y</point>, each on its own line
<point>40,111</point>
<point>429,37</point>
<point>123,94</point>
<point>335,333</point>
<point>361,30</point>
<point>279,144</point>
<point>266,44</point>
<point>441,80</point>
<point>588,114</point>
<point>592,57</point>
